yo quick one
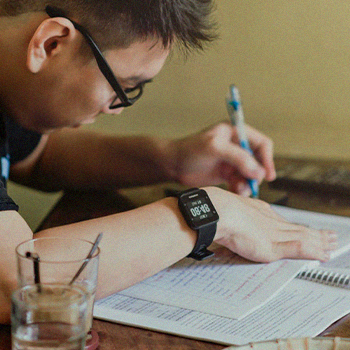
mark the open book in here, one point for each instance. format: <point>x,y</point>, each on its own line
<point>232,301</point>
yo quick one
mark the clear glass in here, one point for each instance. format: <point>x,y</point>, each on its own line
<point>60,259</point>
<point>48,317</point>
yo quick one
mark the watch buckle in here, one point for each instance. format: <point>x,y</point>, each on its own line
<point>201,255</point>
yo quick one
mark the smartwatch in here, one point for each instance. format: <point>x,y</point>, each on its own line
<point>201,216</point>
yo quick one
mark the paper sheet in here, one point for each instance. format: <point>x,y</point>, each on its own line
<point>301,309</point>
<point>226,285</point>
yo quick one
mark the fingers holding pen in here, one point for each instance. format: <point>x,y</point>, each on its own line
<point>263,149</point>
<point>240,165</point>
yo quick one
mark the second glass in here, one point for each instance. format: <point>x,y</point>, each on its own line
<point>55,260</point>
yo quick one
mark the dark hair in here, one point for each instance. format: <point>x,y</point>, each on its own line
<point>118,23</point>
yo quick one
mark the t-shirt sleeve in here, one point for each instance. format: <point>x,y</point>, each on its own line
<point>22,142</point>
<point>19,145</point>
<point>6,202</point>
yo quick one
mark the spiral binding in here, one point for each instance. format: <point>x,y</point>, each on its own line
<point>325,277</point>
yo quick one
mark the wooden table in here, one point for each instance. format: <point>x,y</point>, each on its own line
<point>75,207</point>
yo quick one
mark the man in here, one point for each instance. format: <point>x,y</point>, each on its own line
<point>53,78</point>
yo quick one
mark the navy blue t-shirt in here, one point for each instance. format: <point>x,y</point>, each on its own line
<point>16,144</point>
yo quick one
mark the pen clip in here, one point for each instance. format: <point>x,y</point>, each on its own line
<point>230,110</point>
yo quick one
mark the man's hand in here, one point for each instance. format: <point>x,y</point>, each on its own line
<point>252,229</point>
<point>214,157</point>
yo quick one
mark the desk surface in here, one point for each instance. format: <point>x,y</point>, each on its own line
<point>75,207</point>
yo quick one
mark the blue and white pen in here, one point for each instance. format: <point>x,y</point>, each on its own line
<point>235,111</point>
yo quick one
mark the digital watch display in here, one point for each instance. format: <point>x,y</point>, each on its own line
<point>201,216</point>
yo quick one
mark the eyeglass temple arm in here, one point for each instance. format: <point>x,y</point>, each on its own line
<point>102,63</point>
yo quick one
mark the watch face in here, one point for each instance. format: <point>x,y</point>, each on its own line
<point>198,209</point>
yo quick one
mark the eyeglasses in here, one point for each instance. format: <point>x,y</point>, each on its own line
<point>128,96</point>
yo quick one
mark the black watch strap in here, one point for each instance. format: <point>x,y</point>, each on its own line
<point>205,239</point>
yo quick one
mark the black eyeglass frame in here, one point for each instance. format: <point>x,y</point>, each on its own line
<point>102,64</point>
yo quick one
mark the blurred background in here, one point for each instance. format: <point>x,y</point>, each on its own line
<point>291,62</point>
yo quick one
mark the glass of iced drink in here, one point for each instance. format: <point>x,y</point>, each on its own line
<point>59,260</point>
<point>46,317</point>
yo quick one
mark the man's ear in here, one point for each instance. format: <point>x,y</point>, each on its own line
<point>49,39</point>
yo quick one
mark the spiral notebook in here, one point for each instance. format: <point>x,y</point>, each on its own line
<point>335,273</point>
<point>331,278</point>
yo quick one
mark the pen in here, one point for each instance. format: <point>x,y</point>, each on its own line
<point>235,111</point>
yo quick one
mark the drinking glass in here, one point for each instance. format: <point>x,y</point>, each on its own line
<point>58,261</point>
<point>47,317</point>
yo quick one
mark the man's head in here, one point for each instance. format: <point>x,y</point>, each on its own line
<point>118,23</point>
<point>58,80</point>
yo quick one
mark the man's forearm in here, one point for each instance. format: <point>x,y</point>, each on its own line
<point>77,159</point>
<point>136,244</point>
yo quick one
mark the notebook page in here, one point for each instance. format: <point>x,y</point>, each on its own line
<point>226,285</point>
<point>299,310</point>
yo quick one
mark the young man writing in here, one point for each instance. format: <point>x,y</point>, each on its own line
<point>64,62</point>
